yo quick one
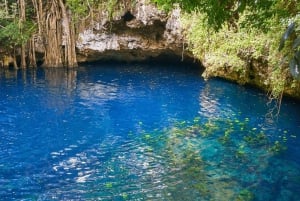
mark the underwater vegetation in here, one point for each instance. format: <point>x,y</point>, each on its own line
<point>218,158</point>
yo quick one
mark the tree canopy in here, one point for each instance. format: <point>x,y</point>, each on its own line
<point>234,33</point>
<point>219,12</point>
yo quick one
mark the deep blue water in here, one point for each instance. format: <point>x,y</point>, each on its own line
<point>143,132</point>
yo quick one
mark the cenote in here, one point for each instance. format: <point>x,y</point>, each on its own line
<point>143,132</point>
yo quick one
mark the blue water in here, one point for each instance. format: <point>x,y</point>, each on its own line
<point>143,132</point>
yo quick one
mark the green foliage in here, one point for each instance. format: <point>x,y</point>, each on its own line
<point>217,13</point>
<point>229,52</point>
<point>226,48</point>
<point>11,34</point>
<point>84,9</point>
<point>186,5</point>
<point>79,8</point>
<point>111,4</point>
<point>227,35</point>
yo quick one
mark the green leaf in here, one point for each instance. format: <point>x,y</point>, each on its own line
<point>241,6</point>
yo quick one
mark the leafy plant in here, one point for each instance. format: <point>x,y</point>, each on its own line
<point>292,33</point>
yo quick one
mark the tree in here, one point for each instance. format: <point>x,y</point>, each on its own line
<point>22,20</point>
<point>15,30</point>
<point>59,36</point>
<point>256,21</point>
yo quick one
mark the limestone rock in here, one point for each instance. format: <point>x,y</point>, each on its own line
<point>136,34</point>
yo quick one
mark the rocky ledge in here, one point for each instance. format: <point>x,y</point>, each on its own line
<point>139,33</point>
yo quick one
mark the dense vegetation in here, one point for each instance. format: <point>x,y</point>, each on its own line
<point>232,38</point>
<point>49,25</point>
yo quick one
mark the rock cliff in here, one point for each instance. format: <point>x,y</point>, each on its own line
<point>138,33</point>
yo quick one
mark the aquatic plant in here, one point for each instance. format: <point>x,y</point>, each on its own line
<point>186,147</point>
<point>225,139</point>
<point>124,196</point>
<point>245,195</point>
<point>256,139</point>
<point>277,148</point>
<point>240,152</point>
<point>108,185</point>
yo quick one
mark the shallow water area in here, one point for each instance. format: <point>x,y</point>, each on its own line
<point>143,132</point>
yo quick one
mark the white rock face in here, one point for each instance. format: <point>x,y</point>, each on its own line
<point>148,32</point>
<point>174,29</point>
<point>98,42</point>
<point>147,13</point>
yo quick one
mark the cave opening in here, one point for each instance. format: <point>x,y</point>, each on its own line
<point>128,16</point>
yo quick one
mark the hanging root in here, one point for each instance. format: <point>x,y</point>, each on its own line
<point>275,105</point>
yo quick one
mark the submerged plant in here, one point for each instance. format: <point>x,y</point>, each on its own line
<point>277,148</point>
<point>225,139</point>
<point>240,152</point>
<point>256,139</point>
<point>124,196</point>
<point>108,185</point>
<point>188,149</point>
<point>245,195</point>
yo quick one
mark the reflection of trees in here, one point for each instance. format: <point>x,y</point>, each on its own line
<point>8,74</point>
<point>61,83</point>
<point>28,76</point>
<point>61,78</point>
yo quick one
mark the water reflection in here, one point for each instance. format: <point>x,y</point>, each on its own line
<point>61,79</point>
<point>8,74</point>
<point>97,93</point>
<point>212,104</point>
<point>61,84</point>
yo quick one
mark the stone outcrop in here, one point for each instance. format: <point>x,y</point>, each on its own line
<point>139,33</point>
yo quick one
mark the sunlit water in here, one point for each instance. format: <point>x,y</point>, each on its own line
<point>143,132</point>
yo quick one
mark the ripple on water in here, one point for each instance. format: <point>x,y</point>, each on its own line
<point>142,133</point>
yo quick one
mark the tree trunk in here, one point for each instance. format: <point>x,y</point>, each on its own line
<point>59,37</point>
<point>38,7</point>
<point>22,19</point>
<point>53,56</point>
<point>32,57</point>
<point>69,38</point>
<point>15,59</point>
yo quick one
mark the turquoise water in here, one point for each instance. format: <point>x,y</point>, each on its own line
<point>143,132</point>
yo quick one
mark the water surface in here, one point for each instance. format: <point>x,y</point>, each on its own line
<point>143,132</point>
